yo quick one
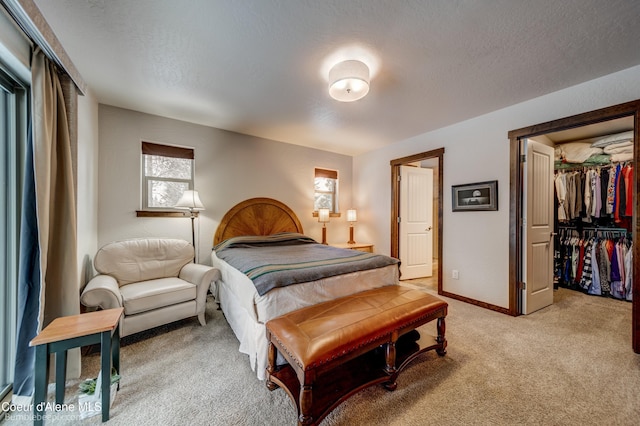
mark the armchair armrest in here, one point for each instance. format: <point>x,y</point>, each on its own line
<point>102,291</point>
<point>201,276</point>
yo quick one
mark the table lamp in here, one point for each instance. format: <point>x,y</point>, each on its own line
<point>351,218</point>
<point>323,217</point>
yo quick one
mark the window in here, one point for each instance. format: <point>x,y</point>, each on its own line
<point>325,190</point>
<point>13,116</point>
<point>167,173</point>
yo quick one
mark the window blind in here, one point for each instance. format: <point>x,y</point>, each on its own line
<point>329,174</point>
<point>149,148</point>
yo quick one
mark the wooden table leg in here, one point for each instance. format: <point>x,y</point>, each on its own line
<point>61,375</point>
<point>115,349</point>
<point>105,368</point>
<point>40,383</point>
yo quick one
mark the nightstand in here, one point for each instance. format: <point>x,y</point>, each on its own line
<point>355,246</point>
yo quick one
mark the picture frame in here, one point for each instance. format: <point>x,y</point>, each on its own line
<point>479,196</point>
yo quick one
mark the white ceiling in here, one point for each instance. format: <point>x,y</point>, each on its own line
<point>260,67</point>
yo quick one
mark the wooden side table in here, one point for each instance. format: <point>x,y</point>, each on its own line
<point>355,246</point>
<point>71,332</point>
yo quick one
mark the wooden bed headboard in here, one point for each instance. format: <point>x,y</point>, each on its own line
<point>257,216</point>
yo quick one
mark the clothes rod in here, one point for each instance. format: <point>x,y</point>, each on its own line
<point>592,228</point>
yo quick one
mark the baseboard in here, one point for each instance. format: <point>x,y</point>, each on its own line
<point>476,302</point>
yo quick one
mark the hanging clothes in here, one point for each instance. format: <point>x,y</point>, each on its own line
<point>599,195</point>
<point>611,190</point>
<point>628,279</point>
<point>595,288</point>
<point>561,194</point>
<point>599,265</point>
<point>593,250</point>
<point>628,179</point>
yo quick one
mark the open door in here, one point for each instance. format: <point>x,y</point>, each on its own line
<point>538,226</point>
<point>416,222</point>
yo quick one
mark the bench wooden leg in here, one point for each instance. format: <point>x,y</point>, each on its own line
<point>306,404</point>
<point>271,366</point>
<point>390,367</point>
<point>442,341</point>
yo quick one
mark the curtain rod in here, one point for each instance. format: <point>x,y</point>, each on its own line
<point>29,18</point>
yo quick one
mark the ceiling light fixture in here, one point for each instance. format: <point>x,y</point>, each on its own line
<point>349,81</point>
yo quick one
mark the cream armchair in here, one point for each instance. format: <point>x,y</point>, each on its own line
<point>154,279</point>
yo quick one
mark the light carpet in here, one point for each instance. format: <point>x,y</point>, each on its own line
<point>568,364</point>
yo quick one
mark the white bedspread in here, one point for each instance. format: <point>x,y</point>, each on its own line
<point>247,311</point>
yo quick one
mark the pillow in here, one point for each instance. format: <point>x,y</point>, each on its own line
<point>578,152</point>
<point>608,140</point>
<point>619,148</point>
<point>619,158</point>
<point>282,238</point>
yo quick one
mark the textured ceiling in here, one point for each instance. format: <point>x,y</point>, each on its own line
<point>260,67</point>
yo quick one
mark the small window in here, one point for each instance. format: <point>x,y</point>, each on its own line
<point>326,190</point>
<point>167,173</point>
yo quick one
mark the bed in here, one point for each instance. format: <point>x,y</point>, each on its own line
<point>246,308</point>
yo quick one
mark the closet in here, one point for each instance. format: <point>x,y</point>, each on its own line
<point>603,122</point>
<point>593,197</point>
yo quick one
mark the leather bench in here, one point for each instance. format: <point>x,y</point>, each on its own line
<point>337,348</point>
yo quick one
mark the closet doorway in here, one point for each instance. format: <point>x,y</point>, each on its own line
<point>432,160</point>
<point>600,122</point>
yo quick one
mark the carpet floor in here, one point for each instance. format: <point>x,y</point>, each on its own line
<point>568,364</point>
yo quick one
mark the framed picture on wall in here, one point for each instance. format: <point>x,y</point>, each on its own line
<point>480,196</point>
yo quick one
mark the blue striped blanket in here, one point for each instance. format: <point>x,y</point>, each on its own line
<point>290,258</point>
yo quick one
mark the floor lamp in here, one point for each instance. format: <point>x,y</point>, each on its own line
<point>190,200</point>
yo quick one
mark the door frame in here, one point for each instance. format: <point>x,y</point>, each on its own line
<point>629,109</point>
<point>395,202</point>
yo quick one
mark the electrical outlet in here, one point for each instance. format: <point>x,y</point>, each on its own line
<point>454,274</point>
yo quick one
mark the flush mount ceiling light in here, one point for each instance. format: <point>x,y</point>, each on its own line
<point>349,81</point>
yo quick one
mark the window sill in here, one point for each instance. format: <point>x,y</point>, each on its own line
<point>159,213</point>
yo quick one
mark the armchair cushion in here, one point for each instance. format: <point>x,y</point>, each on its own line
<point>154,294</point>
<point>143,259</point>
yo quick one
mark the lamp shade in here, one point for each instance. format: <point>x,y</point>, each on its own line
<point>323,215</point>
<point>352,215</point>
<point>349,81</point>
<point>190,200</point>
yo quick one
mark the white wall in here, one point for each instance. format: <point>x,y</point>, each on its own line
<point>229,168</point>
<point>87,202</point>
<point>476,243</point>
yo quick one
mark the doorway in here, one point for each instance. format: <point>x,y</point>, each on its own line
<point>433,160</point>
<point>604,117</point>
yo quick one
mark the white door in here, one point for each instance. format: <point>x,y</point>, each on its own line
<point>416,222</point>
<point>538,223</point>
